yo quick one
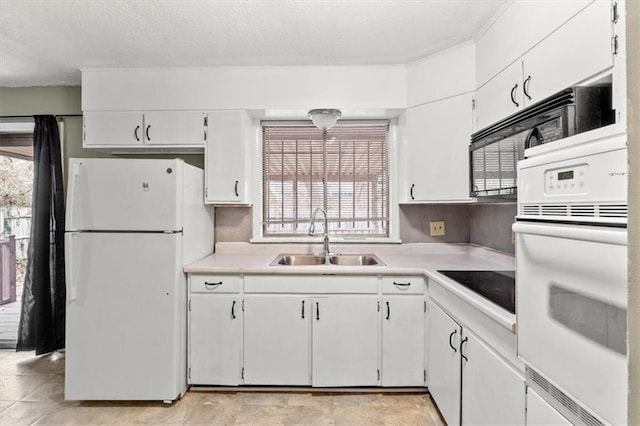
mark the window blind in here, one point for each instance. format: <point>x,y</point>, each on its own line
<point>343,170</point>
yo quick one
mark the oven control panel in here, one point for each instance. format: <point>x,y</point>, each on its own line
<point>567,180</point>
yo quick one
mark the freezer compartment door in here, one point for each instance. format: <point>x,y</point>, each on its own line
<point>125,317</point>
<point>124,194</point>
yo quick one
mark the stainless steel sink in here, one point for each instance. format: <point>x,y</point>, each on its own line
<point>298,260</point>
<point>335,259</point>
<point>356,260</point>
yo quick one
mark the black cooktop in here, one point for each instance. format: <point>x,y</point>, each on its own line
<point>497,286</point>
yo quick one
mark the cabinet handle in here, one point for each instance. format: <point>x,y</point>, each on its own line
<point>147,132</point>
<point>135,132</point>
<point>388,311</point>
<point>236,188</point>
<point>233,310</point>
<point>212,285</point>
<point>317,311</point>
<point>401,284</point>
<point>513,95</point>
<point>411,191</point>
<point>303,309</point>
<point>453,333</point>
<point>205,135</point>
<point>525,87</point>
<point>462,342</point>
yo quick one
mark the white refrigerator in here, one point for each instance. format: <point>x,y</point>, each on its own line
<point>131,226</point>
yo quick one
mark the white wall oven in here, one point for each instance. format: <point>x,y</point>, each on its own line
<point>571,278</point>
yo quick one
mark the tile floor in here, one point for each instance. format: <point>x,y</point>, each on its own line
<point>32,392</point>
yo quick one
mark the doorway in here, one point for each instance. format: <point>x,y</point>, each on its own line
<point>16,186</point>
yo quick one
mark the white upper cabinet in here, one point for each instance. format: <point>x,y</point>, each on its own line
<point>436,151</point>
<point>436,127</point>
<point>229,134</point>
<point>175,128</point>
<point>132,131</point>
<point>519,27</point>
<point>578,50</point>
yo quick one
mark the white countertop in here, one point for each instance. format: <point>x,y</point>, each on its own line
<point>400,259</point>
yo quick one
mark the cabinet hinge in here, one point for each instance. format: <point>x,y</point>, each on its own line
<point>425,306</point>
<point>614,44</point>
<point>243,306</point>
<point>206,120</point>
<point>189,305</point>
<point>473,103</point>
<point>189,373</point>
<point>424,375</point>
<point>614,12</point>
<point>378,306</point>
<point>206,192</point>
<point>242,374</point>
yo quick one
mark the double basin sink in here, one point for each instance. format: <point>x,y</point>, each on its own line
<point>334,259</point>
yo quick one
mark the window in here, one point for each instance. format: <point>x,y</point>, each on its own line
<point>343,170</point>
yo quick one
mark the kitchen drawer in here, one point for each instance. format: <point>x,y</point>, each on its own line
<point>403,285</point>
<point>215,283</point>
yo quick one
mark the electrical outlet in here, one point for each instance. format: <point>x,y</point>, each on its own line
<point>437,228</point>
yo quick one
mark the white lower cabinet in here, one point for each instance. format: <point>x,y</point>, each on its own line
<point>469,382</point>
<point>215,330</point>
<point>492,391</point>
<point>403,340</point>
<point>277,340</point>
<point>539,412</point>
<point>345,341</point>
<point>443,365</point>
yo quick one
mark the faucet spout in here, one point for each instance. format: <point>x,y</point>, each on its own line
<point>325,235</point>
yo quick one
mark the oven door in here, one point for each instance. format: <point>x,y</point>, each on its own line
<point>571,296</point>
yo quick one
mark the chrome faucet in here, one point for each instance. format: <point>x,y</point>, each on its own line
<point>325,235</point>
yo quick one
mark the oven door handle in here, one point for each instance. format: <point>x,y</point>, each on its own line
<point>598,234</point>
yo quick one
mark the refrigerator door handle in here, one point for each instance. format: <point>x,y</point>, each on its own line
<point>74,173</point>
<point>71,289</point>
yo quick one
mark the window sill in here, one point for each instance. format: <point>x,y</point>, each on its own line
<point>332,240</point>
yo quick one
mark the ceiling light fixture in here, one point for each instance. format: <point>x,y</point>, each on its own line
<point>324,118</point>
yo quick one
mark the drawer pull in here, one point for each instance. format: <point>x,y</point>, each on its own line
<point>207,284</point>
<point>233,310</point>
<point>401,284</point>
<point>388,311</point>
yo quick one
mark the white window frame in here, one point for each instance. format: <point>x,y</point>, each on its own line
<point>394,210</point>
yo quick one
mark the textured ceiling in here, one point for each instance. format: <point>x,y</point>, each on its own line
<point>47,42</point>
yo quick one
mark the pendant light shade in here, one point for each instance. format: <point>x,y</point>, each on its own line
<point>324,118</point>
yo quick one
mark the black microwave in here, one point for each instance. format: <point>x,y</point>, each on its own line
<point>495,150</point>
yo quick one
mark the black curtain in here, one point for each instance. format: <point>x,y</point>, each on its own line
<point>43,299</point>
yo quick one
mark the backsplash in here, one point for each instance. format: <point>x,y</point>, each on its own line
<point>491,225</point>
<point>486,225</point>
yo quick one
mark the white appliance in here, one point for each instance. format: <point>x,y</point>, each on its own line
<point>571,279</point>
<point>131,226</point>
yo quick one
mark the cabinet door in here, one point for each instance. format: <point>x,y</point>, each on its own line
<point>443,372</point>
<point>224,157</point>
<point>437,151</point>
<point>112,129</point>
<point>578,50</point>
<point>539,412</point>
<point>277,340</point>
<point>345,341</point>
<point>403,341</point>
<point>499,97</point>
<point>174,128</point>
<point>215,326</point>
<point>492,391</point>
